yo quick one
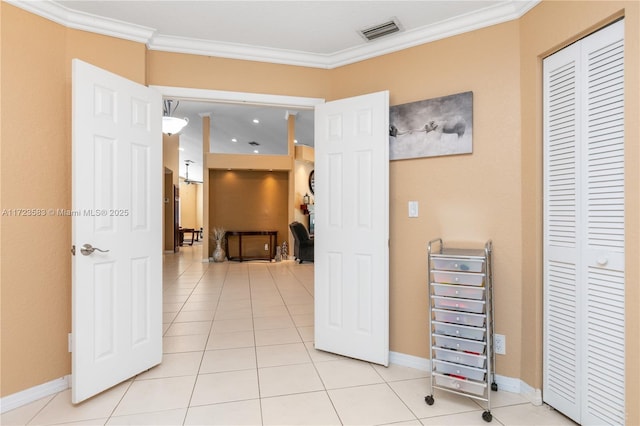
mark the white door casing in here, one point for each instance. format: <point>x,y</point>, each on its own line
<point>352,227</point>
<point>116,206</point>
<point>584,369</point>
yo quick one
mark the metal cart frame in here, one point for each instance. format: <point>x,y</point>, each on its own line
<point>471,254</point>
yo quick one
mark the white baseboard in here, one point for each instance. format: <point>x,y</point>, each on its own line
<point>534,395</point>
<point>411,361</point>
<point>33,394</point>
<point>508,384</point>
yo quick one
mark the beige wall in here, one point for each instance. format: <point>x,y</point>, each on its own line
<point>463,198</point>
<point>205,72</point>
<point>36,159</point>
<point>189,206</point>
<point>170,160</point>
<point>493,193</point>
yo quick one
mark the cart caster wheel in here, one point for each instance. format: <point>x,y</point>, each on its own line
<point>486,416</point>
<point>494,386</point>
<point>429,399</point>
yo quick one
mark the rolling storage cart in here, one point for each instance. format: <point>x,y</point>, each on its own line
<point>461,322</point>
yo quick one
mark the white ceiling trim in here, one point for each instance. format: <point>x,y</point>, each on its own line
<point>479,19</point>
<point>399,41</point>
<point>84,21</point>
<point>237,51</point>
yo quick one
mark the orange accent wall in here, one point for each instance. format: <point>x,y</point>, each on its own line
<point>243,200</point>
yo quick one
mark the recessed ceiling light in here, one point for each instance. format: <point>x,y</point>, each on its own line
<point>234,140</point>
<point>256,121</point>
<point>180,149</point>
<point>295,141</point>
<point>255,151</point>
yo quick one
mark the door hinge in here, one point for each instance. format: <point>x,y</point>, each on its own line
<point>73,249</point>
<point>70,341</point>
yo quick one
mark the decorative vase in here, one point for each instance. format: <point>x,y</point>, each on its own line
<point>218,252</point>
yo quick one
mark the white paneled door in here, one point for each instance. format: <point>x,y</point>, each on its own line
<point>116,230</point>
<point>352,227</point>
<point>584,297</point>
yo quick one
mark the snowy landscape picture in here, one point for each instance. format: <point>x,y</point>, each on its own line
<point>432,127</point>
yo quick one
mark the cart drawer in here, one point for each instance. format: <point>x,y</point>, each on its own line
<point>464,305</point>
<point>458,278</point>
<point>475,320</point>
<point>463,265</point>
<point>458,357</point>
<point>460,371</point>
<point>453,290</point>
<point>460,384</point>
<point>466,332</point>
<point>472,346</point>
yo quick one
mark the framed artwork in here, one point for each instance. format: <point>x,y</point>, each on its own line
<point>432,127</point>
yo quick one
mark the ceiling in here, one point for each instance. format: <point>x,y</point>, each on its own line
<point>322,34</point>
<point>234,121</point>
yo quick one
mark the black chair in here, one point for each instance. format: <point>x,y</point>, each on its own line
<point>303,244</point>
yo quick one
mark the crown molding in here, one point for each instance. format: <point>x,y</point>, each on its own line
<point>462,24</point>
<point>503,12</point>
<point>83,21</point>
<point>236,51</point>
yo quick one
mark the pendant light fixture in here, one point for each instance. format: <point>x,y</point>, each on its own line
<point>171,125</point>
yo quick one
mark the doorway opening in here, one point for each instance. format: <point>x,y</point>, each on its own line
<point>240,126</point>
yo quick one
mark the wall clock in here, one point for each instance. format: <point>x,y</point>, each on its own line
<point>312,182</point>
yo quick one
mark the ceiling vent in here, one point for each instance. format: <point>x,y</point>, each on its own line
<point>254,143</point>
<point>380,30</point>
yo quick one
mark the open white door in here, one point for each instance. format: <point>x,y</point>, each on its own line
<point>117,209</point>
<point>352,227</point>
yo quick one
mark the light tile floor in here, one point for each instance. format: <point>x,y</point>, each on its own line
<point>238,350</point>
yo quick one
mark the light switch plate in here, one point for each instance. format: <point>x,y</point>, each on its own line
<point>413,209</point>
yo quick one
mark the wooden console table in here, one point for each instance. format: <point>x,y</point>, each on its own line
<point>273,242</point>
<point>194,235</point>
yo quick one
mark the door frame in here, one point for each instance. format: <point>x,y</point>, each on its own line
<point>243,98</point>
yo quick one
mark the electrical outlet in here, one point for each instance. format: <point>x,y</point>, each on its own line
<point>499,344</point>
<point>266,247</point>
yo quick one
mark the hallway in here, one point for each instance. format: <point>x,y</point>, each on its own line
<point>238,349</point>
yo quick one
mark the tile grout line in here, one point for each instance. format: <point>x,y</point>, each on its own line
<point>315,367</point>
<point>255,347</point>
<point>204,349</point>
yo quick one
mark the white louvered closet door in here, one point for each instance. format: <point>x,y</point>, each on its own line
<point>584,229</point>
